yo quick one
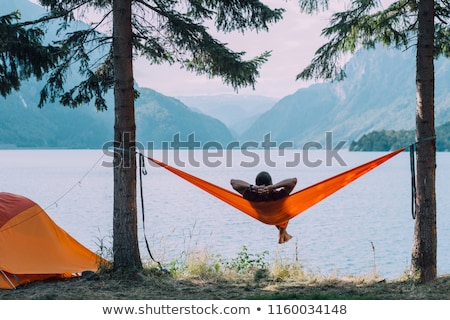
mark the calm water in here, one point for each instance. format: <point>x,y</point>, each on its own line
<point>334,237</point>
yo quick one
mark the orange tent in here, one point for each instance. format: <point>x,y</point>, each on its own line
<point>33,247</point>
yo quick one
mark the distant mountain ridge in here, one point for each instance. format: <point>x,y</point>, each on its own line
<point>236,111</point>
<point>24,125</point>
<point>158,119</point>
<point>378,94</point>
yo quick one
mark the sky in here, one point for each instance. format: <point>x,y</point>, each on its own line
<point>293,41</point>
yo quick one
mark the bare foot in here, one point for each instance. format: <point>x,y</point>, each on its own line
<point>284,237</point>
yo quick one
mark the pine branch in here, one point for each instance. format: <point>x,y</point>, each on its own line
<point>312,6</point>
<point>22,54</point>
<point>360,27</point>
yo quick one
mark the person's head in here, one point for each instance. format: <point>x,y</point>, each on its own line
<point>263,179</point>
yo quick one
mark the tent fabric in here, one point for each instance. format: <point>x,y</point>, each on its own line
<point>281,211</point>
<point>33,247</point>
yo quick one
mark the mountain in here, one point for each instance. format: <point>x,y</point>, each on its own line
<point>27,9</point>
<point>24,125</point>
<point>378,94</point>
<point>158,118</point>
<point>236,111</point>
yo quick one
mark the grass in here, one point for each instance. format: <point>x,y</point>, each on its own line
<point>202,276</point>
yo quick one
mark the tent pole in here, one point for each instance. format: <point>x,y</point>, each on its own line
<point>7,279</point>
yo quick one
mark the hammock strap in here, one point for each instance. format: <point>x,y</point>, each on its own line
<point>143,171</point>
<point>412,150</point>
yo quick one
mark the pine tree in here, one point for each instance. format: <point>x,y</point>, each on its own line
<point>22,53</point>
<point>163,31</point>
<point>403,24</point>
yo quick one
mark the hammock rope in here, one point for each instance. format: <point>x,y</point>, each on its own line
<point>281,211</point>
<point>143,171</point>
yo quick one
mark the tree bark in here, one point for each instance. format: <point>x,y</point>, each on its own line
<point>425,238</point>
<point>125,237</point>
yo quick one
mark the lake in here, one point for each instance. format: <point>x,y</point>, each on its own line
<point>365,227</point>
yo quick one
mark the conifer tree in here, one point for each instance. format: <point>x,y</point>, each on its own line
<point>163,31</point>
<point>22,53</point>
<point>404,24</point>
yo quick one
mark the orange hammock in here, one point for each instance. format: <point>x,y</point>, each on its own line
<point>279,212</point>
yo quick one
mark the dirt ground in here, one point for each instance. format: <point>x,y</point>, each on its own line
<point>163,287</point>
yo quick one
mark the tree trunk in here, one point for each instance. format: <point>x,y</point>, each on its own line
<point>425,239</point>
<point>125,238</point>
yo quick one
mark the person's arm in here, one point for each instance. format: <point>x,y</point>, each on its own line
<point>287,184</point>
<point>240,185</point>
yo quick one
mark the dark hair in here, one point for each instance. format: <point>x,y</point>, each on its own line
<point>263,178</point>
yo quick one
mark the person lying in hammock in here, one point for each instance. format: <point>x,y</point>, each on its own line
<point>265,190</point>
